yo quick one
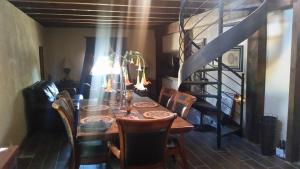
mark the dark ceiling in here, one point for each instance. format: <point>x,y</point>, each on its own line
<point>90,13</point>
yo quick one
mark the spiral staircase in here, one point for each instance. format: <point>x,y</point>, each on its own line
<point>202,72</point>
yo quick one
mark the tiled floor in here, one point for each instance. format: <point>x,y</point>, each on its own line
<point>42,151</point>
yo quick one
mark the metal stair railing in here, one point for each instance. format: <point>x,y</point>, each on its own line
<point>215,48</point>
<point>224,42</point>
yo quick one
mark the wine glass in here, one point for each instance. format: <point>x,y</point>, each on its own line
<point>128,100</point>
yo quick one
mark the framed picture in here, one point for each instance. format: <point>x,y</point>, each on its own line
<point>233,58</point>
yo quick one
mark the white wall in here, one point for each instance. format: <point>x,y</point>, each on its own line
<point>70,43</point>
<point>278,67</point>
<point>20,38</point>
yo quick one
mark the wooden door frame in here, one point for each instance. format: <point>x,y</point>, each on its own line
<point>293,130</point>
<point>42,62</point>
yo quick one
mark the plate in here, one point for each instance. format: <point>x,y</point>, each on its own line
<point>145,104</point>
<point>157,114</point>
<point>95,108</point>
<point>96,119</point>
<point>130,117</point>
<point>96,123</point>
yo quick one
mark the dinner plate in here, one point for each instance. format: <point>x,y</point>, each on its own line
<point>95,108</point>
<point>145,104</point>
<point>95,119</point>
<point>96,123</point>
<point>157,114</point>
<point>130,117</point>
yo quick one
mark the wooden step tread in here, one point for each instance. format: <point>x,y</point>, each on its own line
<point>199,83</point>
<point>200,105</point>
<point>229,129</point>
<point>205,95</point>
<point>208,70</point>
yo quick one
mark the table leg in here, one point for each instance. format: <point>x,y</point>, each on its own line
<point>182,151</point>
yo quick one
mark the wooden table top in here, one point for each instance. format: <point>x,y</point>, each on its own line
<point>179,125</point>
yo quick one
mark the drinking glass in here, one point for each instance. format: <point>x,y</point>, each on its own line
<point>128,100</point>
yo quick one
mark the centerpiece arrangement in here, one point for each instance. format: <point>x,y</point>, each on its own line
<point>135,58</point>
<point>114,69</point>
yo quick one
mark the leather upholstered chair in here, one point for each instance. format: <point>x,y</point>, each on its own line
<point>182,103</point>
<point>166,97</point>
<point>142,143</point>
<point>83,152</point>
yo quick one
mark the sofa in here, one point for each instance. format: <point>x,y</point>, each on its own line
<point>40,115</point>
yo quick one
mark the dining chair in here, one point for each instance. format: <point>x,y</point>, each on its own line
<point>72,112</point>
<point>166,97</point>
<point>83,152</point>
<point>66,95</point>
<point>182,103</point>
<point>142,143</point>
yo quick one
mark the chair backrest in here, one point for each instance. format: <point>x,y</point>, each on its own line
<point>66,95</point>
<point>166,97</point>
<point>62,108</point>
<point>182,104</point>
<point>143,142</point>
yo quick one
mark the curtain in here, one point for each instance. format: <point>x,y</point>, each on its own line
<point>88,62</point>
<point>89,58</point>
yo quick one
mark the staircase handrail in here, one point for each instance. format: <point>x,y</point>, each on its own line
<point>216,47</point>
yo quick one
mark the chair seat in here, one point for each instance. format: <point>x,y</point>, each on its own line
<point>94,150</point>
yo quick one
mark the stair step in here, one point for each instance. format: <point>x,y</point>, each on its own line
<point>208,70</point>
<point>201,96</point>
<point>211,111</point>
<point>226,129</point>
<point>199,83</point>
<point>229,129</point>
<point>204,105</point>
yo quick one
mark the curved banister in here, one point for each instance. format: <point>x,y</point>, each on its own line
<point>223,42</point>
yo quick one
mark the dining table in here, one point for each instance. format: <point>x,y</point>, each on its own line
<point>179,126</point>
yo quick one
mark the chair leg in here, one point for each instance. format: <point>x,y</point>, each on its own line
<point>174,158</point>
<point>182,152</point>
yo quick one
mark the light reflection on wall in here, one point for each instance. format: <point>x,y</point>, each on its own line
<point>278,68</point>
<point>103,71</point>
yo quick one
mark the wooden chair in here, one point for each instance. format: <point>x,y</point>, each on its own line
<point>66,95</point>
<point>181,105</point>
<point>166,96</point>
<point>72,112</point>
<point>142,143</point>
<point>83,152</point>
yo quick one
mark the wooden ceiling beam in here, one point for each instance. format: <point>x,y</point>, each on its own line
<point>138,9</point>
<point>109,12</point>
<point>139,3</point>
<point>97,13</point>
<point>100,20</point>
<point>79,25</point>
<point>98,23</point>
<point>76,16</point>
